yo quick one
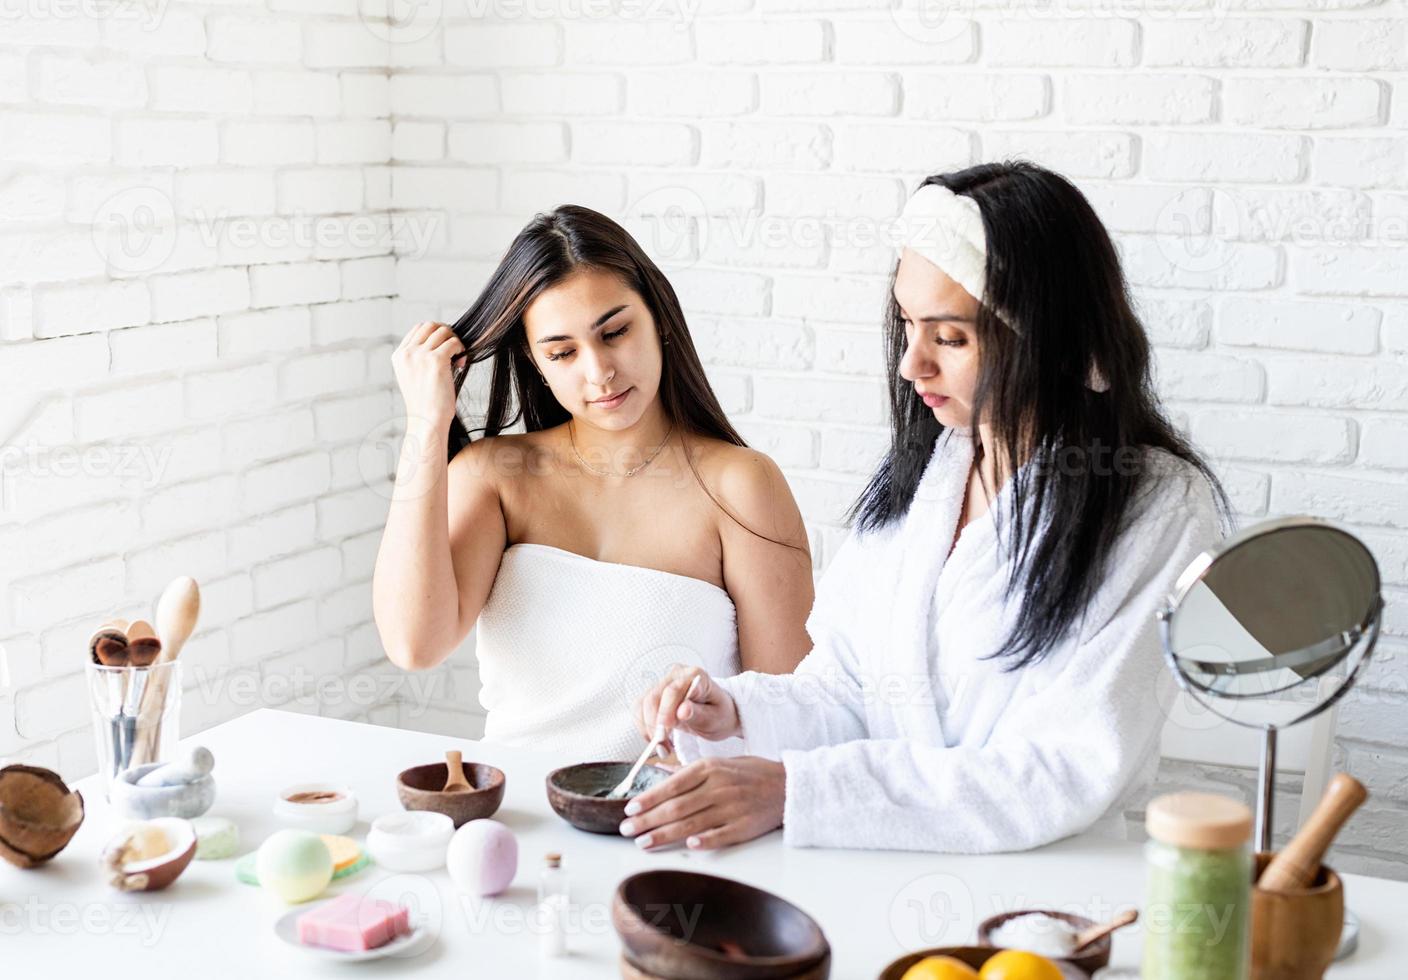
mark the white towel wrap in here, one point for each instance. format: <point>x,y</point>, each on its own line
<point>566,644</point>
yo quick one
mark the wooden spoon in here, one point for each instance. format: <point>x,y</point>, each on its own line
<point>176,613</point>
<point>1095,933</point>
<point>456,783</point>
<point>1296,866</point>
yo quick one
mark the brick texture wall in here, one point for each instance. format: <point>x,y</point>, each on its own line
<point>1251,158</point>
<point>196,276</point>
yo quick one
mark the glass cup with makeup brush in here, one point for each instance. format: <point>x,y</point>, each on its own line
<point>134,698</point>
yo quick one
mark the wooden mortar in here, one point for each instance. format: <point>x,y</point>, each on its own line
<point>1297,902</point>
<point>1295,934</point>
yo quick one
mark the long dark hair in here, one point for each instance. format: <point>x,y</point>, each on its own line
<point>1056,303</point>
<point>549,249</point>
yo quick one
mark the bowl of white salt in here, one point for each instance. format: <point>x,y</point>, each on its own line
<point>1046,933</point>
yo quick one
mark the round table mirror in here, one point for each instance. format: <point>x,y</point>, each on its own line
<point>1286,611</point>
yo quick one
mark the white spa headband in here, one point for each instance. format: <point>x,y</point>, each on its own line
<point>947,230</point>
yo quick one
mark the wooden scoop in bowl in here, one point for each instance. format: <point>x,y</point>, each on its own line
<point>1098,932</point>
<point>454,768</point>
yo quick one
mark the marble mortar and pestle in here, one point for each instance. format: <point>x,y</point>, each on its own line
<point>183,788</point>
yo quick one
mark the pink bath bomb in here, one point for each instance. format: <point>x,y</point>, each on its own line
<point>482,858</point>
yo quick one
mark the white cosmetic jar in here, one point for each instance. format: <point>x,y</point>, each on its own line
<point>415,840</point>
<point>333,816</point>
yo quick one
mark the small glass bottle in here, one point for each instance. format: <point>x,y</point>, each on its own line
<point>553,900</point>
<point>1198,914</point>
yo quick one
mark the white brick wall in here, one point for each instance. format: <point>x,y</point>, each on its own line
<point>1244,159</point>
<point>195,281</point>
<point>211,228</point>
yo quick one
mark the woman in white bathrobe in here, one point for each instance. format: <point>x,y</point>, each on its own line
<point>985,672</point>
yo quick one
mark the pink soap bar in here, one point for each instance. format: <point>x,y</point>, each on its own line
<point>353,923</point>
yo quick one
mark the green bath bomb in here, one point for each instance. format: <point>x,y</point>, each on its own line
<point>294,864</point>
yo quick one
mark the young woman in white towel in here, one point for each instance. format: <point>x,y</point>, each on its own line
<point>628,528</point>
<point>985,674</point>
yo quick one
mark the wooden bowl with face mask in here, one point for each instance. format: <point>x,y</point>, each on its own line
<point>577,793</point>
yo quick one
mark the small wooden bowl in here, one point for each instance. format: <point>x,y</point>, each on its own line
<point>422,788</point>
<point>974,956</point>
<point>572,789</point>
<point>677,924</point>
<point>1295,934</point>
<point>1096,957</point>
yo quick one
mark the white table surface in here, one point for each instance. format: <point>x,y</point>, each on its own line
<point>873,906</point>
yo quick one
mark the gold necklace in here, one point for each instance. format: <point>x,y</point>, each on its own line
<point>630,472</point>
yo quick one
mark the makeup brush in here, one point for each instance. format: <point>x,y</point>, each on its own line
<point>110,650</point>
<point>107,647</point>
<point>143,647</point>
<point>108,644</point>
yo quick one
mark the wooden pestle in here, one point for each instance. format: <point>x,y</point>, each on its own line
<point>1295,867</point>
<point>454,770</point>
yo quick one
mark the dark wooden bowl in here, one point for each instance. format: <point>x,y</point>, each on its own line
<point>572,789</point>
<point>974,956</point>
<point>1096,957</point>
<point>629,971</point>
<point>678,924</point>
<point>422,788</point>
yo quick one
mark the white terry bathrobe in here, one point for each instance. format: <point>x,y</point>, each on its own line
<point>895,733</point>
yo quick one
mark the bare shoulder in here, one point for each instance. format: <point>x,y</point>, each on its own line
<point>751,486</point>
<point>734,468</point>
<point>501,457</point>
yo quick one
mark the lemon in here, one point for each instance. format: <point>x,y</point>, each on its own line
<point>940,968</point>
<point>1016,964</point>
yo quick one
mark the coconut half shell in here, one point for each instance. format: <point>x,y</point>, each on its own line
<point>131,869</point>
<point>39,814</point>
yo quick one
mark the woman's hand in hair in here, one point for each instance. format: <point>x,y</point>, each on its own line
<point>687,699</point>
<point>425,373</point>
<point>709,804</point>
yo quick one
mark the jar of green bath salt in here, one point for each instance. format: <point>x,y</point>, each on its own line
<point>1198,916</point>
